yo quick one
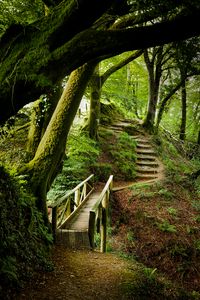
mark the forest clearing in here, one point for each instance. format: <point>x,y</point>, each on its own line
<point>99,150</point>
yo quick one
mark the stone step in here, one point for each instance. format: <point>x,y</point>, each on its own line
<point>147,163</point>
<point>146,170</point>
<point>146,152</point>
<point>141,145</point>
<point>141,139</point>
<point>141,157</point>
<point>146,176</point>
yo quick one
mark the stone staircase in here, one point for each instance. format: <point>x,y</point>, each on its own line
<point>148,166</point>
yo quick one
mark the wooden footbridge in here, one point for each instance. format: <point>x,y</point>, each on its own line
<point>80,213</point>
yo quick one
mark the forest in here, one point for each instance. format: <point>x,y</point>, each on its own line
<point>90,87</point>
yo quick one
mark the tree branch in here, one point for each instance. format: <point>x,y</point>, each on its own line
<point>121,64</point>
<point>43,60</point>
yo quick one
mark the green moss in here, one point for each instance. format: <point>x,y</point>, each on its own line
<point>24,240</point>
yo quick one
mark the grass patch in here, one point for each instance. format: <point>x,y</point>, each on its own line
<point>118,151</point>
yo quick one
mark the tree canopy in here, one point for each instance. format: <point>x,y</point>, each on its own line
<point>37,54</point>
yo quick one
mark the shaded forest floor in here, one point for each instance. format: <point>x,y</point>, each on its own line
<point>154,247</point>
<point>80,274</point>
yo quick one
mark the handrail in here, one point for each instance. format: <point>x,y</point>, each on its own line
<point>68,193</point>
<point>98,216</point>
<point>65,206</point>
<point>105,189</point>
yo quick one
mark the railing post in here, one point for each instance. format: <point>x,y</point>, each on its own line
<point>77,197</point>
<point>104,221</point>
<point>91,229</point>
<point>103,229</point>
<point>54,222</point>
<point>84,190</point>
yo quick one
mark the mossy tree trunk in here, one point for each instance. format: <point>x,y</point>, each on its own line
<point>42,111</point>
<point>47,161</point>
<point>154,67</point>
<point>34,134</point>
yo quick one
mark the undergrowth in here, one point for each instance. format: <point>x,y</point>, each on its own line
<point>120,156</point>
<point>24,239</point>
<point>81,153</point>
<point>158,226</point>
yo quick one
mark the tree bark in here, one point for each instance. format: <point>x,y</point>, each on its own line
<point>41,115</point>
<point>45,165</point>
<point>154,67</point>
<point>35,130</point>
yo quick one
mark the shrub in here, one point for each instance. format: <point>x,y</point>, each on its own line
<point>24,239</point>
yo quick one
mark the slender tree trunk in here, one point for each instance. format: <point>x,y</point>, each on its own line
<point>184,112</point>
<point>34,134</point>
<point>47,161</point>
<point>95,94</point>
<point>154,73</point>
<point>41,115</point>
<point>152,102</point>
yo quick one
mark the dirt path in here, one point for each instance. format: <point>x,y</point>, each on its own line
<point>81,275</point>
<point>87,275</point>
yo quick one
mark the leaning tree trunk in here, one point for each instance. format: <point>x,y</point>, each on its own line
<point>47,161</point>
<point>184,112</point>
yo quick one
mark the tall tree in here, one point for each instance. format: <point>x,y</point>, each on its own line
<point>154,60</point>
<point>47,161</point>
<point>183,66</point>
<point>186,57</point>
<point>34,57</point>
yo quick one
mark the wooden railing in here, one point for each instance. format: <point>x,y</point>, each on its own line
<point>99,215</point>
<point>63,208</point>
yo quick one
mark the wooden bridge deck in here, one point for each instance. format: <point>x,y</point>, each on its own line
<point>80,222</point>
<point>74,233</point>
<point>80,213</point>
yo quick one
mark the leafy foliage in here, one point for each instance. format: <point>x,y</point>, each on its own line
<point>128,87</point>
<point>166,227</point>
<point>81,153</point>
<point>19,12</point>
<point>24,240</point>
